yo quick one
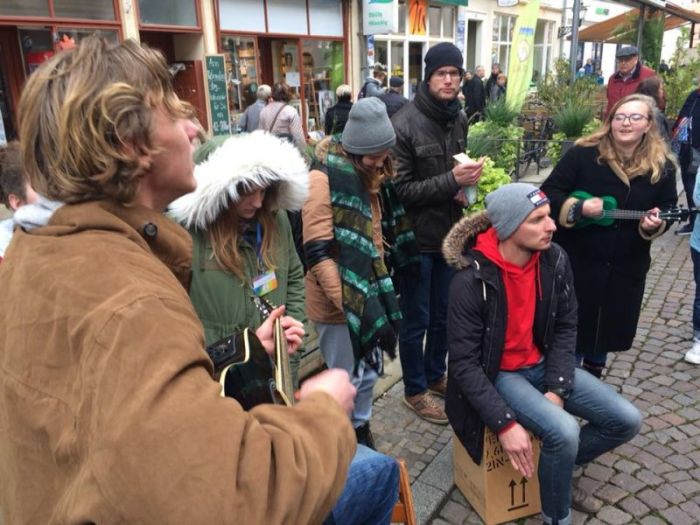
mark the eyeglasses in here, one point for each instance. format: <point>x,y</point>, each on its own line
<point>633,117</point>
<point>442,74</point>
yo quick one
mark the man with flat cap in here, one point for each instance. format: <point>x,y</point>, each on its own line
<point>511,334</point>
<point>393,99</point>
<point>630,72</point>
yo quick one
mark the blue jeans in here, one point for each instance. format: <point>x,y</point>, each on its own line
<point>424,309</point>
<point>336,349</point>
<point>371,490</point>
<point>695,257</point>
<point>611,421</point>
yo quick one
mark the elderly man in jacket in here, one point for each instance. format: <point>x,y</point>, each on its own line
<point>630,72</point>
<point>430,130</point>
<point>110,413</point>
<point>511,335</point>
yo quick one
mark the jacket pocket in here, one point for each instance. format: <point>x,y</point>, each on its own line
<point>430,160</point>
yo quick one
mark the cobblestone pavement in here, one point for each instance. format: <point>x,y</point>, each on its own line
<point>654,479</point>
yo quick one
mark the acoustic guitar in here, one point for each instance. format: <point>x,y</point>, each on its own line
<point>247,373</point>
<point>611,212</point>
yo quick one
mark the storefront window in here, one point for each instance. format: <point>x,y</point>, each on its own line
<point>93,10</point>
<point>168,12</point>
<point>24,7</point>
<point>242,74</point>
<point>543,49</point>
<point>396,66</point>
<point>287,16</point>
<point>323,71</point>
<point>502,38</point>
<point>326,17</point>
<point>435,20</point>
<point>242,15</point>
<point>38,44</point>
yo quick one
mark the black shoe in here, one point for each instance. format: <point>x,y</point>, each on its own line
<point>364,436</point>
<point>686,229</point>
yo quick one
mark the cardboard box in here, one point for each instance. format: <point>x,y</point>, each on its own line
<point>496,491</point>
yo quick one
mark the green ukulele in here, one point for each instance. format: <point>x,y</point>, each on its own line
<point>611,212</point>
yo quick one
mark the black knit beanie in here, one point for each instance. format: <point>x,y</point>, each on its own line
<point>442,54</point>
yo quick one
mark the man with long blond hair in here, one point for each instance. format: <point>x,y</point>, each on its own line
<point>109,410</point>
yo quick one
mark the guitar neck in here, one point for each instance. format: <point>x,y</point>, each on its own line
<point>283,372</point>
<point>623,214</point>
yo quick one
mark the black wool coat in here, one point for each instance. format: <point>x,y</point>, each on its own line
<point>610,263</point>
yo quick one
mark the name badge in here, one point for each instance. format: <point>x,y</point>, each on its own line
<point>264,283</point>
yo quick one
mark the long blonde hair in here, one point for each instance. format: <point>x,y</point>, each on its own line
<point>225,233</point>
<point>651,153</point>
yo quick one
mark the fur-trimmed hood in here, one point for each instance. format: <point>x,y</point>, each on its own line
<point>461,237</point>
<point>252,160</point>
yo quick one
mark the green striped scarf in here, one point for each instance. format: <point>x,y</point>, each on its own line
<point>369,301</point>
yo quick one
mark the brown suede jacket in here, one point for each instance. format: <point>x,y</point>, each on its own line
<point>108,409</point>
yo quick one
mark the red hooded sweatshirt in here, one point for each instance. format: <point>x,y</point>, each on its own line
<point>520,284</point>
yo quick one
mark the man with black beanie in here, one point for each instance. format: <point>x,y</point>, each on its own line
<point>429,131</point>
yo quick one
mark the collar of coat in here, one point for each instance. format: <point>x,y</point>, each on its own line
<point>462,237</point>
<point>248,160</point>
<point>147,229</point>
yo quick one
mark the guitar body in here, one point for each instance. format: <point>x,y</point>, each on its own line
<point>609,203</point>
<point>247,373</point>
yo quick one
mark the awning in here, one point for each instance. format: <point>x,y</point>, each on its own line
<point>602,31</point>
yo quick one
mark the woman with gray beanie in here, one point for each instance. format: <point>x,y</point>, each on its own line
<point>351,210</point>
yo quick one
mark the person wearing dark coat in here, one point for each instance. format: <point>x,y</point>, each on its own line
<point>337,116</point>
<point>628,160</point>
<point>511,329</point>
<point>495,71</point>
<point>393,99</point>
<point>475,94</point>
<point>430,130</point>
<point>691,110</point>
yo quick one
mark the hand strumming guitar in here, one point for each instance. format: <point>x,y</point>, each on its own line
<point>293,331</point>
<point>334,382</point>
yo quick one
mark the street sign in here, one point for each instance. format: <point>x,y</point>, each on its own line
<point>564,30</point>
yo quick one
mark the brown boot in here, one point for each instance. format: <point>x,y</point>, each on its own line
<point>439,388</point>
<point>427,407</point>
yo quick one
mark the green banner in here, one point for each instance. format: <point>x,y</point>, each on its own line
<point>521,55</point>
<point>465,3</point>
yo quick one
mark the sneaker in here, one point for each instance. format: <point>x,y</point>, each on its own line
<point>439,388</point>
<point>686,229</point>
<point>582,501</point>
<point>427,407</point>
<point>693,355</point>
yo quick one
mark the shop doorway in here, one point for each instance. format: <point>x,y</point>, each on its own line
<point>281,61</point>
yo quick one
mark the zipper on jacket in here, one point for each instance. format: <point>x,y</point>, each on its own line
<point>551,301</point>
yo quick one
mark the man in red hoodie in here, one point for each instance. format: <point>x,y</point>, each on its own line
<point>630,72</point>
<point>511,335</point>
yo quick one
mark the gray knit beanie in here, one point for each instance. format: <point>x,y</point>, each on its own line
<point>508,206</point>
<point>368,129</point>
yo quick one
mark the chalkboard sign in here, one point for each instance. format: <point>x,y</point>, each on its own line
<point>218,95</point>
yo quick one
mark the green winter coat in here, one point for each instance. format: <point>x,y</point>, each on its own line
<point>224,303</point>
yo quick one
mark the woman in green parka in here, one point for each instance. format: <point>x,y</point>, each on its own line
<point>242,240</point>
